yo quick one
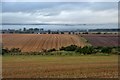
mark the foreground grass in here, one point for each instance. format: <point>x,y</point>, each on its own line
<point>21,66</point>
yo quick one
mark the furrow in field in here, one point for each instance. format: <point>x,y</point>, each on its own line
<point>47,43</point>
<point>38,42</point>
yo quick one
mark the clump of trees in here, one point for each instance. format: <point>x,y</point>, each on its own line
<point>11,51</point>
<point>91,50</point>
<point>85,50</point>
<point>106,50</point>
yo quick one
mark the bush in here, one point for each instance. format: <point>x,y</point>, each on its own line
<point>51,50</point>
<point>15,50</point>
<point>106,50</point>
<point>85,33</point>
<point>44,50</point>
<point>98,33</point>
<point>4,51</point>
<point>78,49</point>
<point>71,48</point>
<point>86,50</point>
<point>11,51</point>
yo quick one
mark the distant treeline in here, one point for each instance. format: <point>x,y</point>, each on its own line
<point>72,48</point>
<point>42,31</point>
<point>104,30</point>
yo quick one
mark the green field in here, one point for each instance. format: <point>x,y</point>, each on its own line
<point>36,66</point>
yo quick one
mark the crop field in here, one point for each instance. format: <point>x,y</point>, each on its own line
<point>87,66</point>
<point>38,66</point>
<point>108,40</point>
<point>38,42</point>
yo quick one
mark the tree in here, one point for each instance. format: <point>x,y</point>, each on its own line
<point>71,48</point>
<point>49,31</point>
<point>88,50</point>
<point>69,32</point>
<point>4,51</point>
<point>24,29</point>
<point>78,49</point>
<point>106,50</point>
<point>73,32</point>
<point>98,33</point>
<point>50,50</point>
<point>62,32</point>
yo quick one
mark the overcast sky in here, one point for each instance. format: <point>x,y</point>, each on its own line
<point>60,12</point>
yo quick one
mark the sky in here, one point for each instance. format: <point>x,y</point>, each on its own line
<point>60,12</point>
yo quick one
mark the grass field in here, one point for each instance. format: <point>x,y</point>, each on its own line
<point>87,66</point>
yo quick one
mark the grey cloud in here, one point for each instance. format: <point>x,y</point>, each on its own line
<point>28,6</point>
<point>64,12</point>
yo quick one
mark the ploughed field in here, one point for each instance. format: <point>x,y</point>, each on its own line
<point>39,42</point>
<point>60,66</point>
<point>109,40</point>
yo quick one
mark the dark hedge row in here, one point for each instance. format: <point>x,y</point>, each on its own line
<point>91,49</point>
<point>73,48</point>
